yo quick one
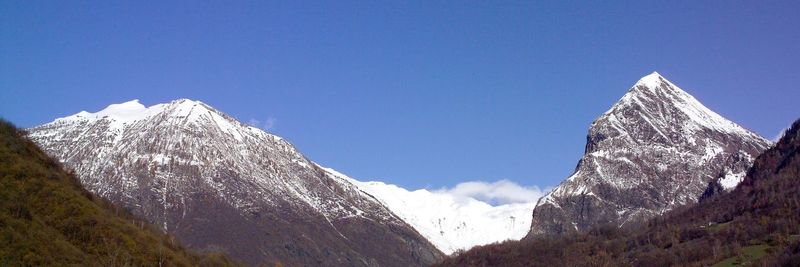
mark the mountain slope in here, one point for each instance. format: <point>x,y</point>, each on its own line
<point>657,148</point>
<point>48,219</point>
<point>755,224</point>
<point>218,184</point>
<point>451,223</point>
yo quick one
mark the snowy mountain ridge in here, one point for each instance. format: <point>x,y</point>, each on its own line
<point>131,112</point>
<point>217,183</point>
<point>181,164</point>
<point>450,223</point>
<point>698,114</point>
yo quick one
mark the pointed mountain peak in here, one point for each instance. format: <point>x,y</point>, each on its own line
<point>658,147</point>
<point>194,110</point>
<point>186,101</point>
<point>650,78</point>
<point>655,80</point>
<point>185,105</point>
<point>654,89</point>
<point>660,102</point>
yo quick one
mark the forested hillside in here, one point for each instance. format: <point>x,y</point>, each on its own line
<point>48,219</point>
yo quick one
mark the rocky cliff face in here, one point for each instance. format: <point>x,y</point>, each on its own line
<point>655,149</point>
<point>218,184</point>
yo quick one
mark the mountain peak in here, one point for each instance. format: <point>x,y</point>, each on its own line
<point>134,110</point>
<point>654,82</point>
<point>655,89</point>
<point>651,80</point>
<point>119,117</point>
<point>189,108</point>
<point>217,183</point>
<point>659,100</point>
<point>186,101</point>
<point>655,149</point>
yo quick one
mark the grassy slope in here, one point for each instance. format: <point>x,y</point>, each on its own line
<point>48,218</point>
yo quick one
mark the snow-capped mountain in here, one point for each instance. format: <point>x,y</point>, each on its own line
<point>655,149</point>
<point>218,184</point>
<point>449,222</point>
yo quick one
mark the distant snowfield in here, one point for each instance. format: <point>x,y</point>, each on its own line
<point>455,219</point>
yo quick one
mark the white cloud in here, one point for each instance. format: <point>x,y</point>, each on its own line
<point>267,125</point>
<point>270,123</point>
<point>495,193</point>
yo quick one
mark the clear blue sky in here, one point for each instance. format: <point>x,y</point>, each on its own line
<point>421,94</point>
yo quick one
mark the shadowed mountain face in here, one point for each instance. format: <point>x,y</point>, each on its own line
<point>655,149</point>
<point>218,184</point>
